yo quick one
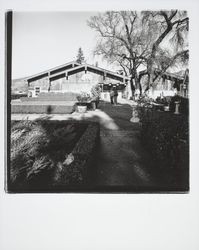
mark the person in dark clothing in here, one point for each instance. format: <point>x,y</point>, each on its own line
<point>115,95</point>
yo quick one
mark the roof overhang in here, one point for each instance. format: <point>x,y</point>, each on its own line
<point>74,68</point>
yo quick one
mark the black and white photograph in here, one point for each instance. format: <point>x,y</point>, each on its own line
<point>99,125</point>
<point>98,101</point>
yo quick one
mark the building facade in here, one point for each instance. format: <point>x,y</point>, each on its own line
<point>74,77</point>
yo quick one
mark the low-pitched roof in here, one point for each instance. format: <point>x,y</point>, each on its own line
<point>73,68</point>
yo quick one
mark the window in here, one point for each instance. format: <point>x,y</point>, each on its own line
<point>37,91</point>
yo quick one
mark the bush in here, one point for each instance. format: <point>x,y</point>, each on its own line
<point>83,98</point>
<point>145,101</point>
<point>166,137</point>
<point>95,92</point>
<point>164,100</point>
<point>50,155</point>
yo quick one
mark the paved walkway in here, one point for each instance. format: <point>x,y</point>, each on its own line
<point>122,161</point>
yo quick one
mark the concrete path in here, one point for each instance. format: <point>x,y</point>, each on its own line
<point>122,161</point>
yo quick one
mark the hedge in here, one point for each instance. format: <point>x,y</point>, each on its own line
<point>76,173</point>
<point>37,147</point>
<point>166,137</point>
<point>170,100</point>
<point>39,150</point>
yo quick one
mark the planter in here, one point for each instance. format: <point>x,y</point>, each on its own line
<point>81,109</point>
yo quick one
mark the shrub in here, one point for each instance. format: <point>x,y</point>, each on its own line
<point>164,100</point>
<point>145,101</point>
<point>166,136</point>
<point>83,97</point>
<point>95,92</point>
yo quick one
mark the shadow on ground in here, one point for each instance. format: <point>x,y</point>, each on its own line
<point>121,163</point>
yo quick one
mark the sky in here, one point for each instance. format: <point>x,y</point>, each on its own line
<point>42,40</point>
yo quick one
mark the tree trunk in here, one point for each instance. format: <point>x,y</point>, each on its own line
<point>140,88</point>
<point>138,83</point>
<point>132,87</point>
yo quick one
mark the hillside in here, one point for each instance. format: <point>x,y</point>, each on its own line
<point>19,85</point>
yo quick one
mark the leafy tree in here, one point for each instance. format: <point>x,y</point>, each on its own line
<point>80,56</point>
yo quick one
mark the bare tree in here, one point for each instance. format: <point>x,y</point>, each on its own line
<point>133,38</point>
<point>164,24</point>
<point>120,40</point>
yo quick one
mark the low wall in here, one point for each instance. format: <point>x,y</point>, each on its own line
<point>52,96</point>
<point>43,108</point>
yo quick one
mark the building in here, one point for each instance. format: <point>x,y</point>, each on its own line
<point>169,84</point>
<point>75,77</point>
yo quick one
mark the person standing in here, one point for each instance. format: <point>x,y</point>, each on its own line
<point>115,95</point>
<point>111,95</point>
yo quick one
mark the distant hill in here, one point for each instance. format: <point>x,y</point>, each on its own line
<point>19,85</point>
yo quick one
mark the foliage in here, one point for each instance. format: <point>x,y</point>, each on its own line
<point>145,101</point>
<point>95,92</point>
<point>166,136</point>
<point>165,24</point>
<point>120,40</point>
<point>83,97</point>
<point>184,104</point>
<point>36,149</point>
<point>165,100</point>
<point>80,56</point>
<point>133,38</point>
<point>76,172</point>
